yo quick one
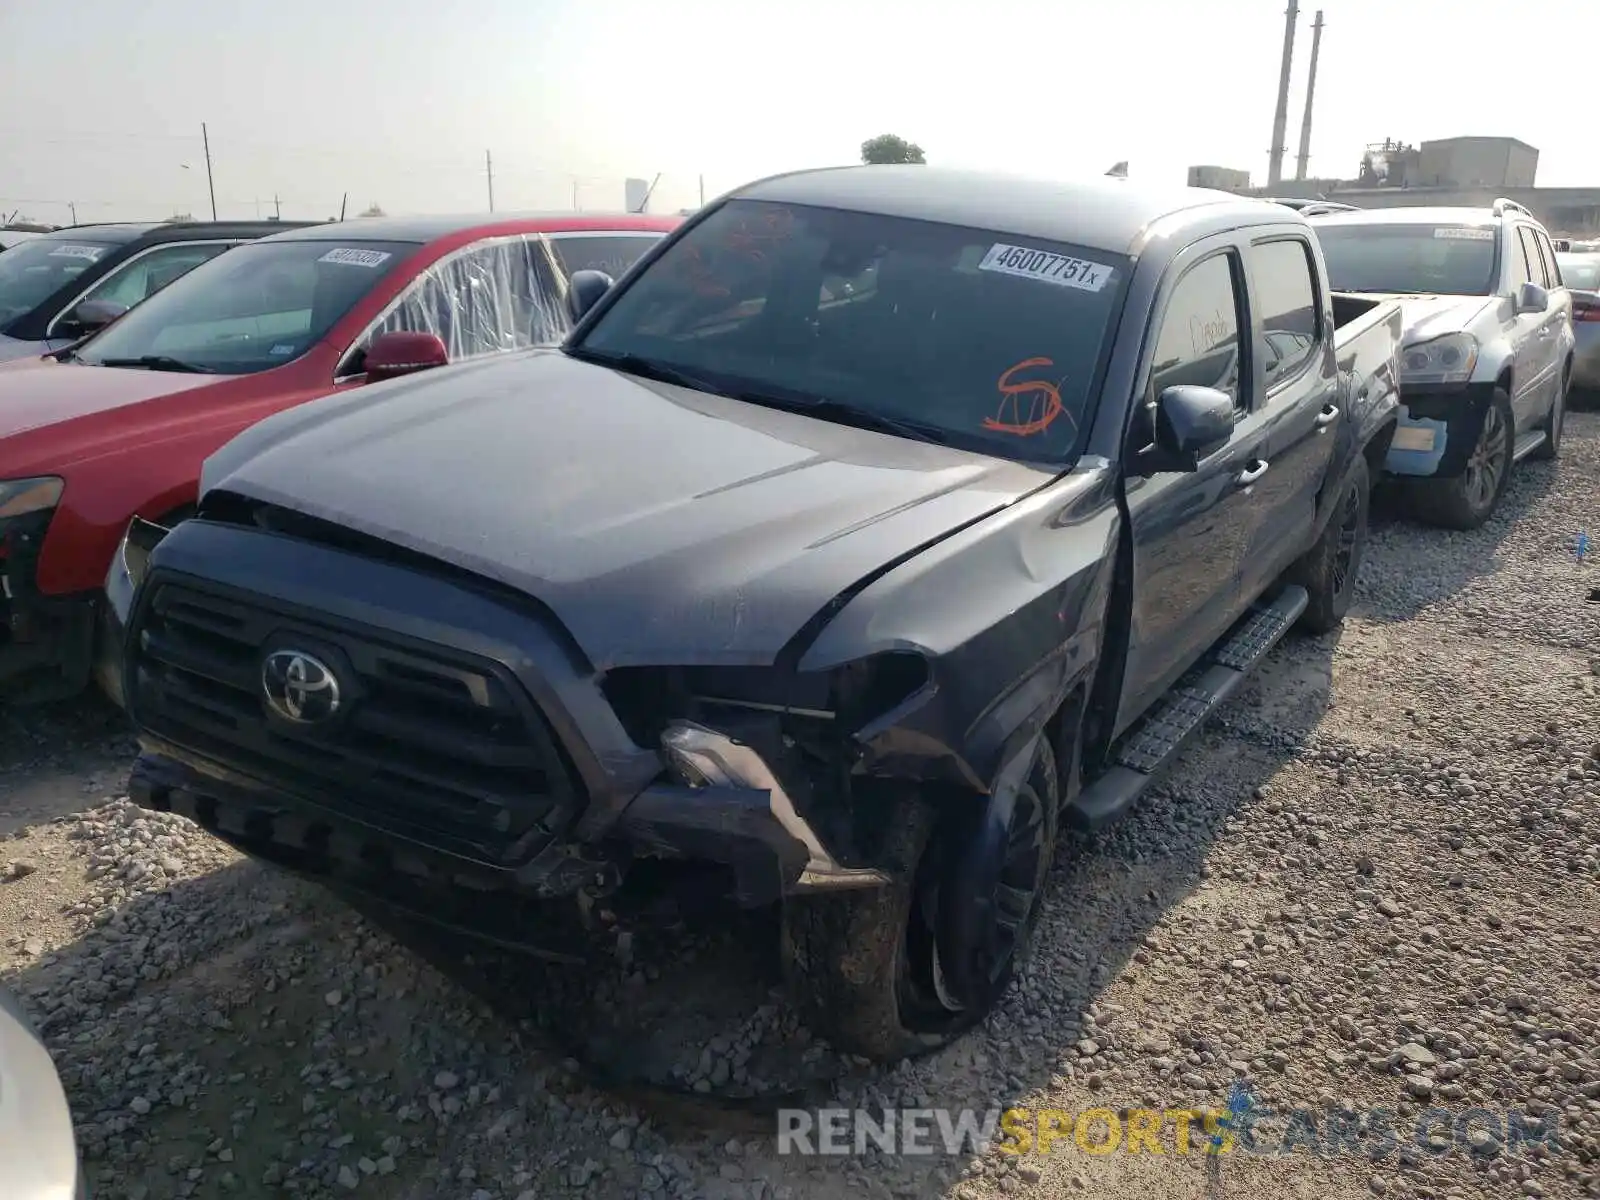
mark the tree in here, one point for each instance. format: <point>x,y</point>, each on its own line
<point>372,210</point>
<point>888,148</point>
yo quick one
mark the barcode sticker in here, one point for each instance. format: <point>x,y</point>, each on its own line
<point>355,258</point>
<point>1047,267</point>
<point>1465,235</point>
<point>88,253</point>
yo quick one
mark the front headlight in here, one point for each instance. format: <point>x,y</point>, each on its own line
<point>1447,359</point>
<point>19,497</point>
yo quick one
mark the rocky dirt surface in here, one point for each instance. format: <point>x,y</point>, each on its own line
<point>1372,891</point>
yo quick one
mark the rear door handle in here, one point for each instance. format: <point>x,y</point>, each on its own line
<point>1250,474</point>
<point>1328,415</point>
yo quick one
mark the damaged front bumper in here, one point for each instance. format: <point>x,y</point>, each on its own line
<point>715,799</point>
<point>1437,430</point>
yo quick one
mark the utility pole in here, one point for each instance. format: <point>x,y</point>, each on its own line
<point>575,207</point>
<point>1280,117</point>
<point>277,208</point>
<point>702,191</point>
<point>73,209</point>
<point>342,203</point>
<point>1311,91</point>
<point>205,138</point>
<point>488,165</point>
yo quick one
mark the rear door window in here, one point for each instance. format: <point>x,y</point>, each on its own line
<point>1285,291</point>
<point>1552,267</point>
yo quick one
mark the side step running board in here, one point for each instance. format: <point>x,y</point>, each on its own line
<point>1156,740</point>
<point>1527,444</point>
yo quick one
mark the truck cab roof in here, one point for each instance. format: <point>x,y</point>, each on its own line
<point>1100,212</point>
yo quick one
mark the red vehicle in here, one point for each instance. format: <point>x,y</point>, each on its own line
<point>118,425</point>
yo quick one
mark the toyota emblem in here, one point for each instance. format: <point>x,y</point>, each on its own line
<point>299,687</point>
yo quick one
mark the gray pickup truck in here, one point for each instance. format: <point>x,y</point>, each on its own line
<point>878,521</point>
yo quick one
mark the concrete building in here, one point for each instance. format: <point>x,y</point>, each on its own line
<point>1224,179</point>
<point>1474,162</point>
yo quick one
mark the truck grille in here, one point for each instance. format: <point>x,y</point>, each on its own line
<point>435,745</point>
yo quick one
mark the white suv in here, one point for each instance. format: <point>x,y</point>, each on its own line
<point>1488,347</point>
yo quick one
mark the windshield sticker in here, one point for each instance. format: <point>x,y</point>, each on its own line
<point>1465,235</point>
<point>1046,267</point>
<point>355,258</point>
<point>280,351</point>
<point>90,253</point>
<point>1027,407</point>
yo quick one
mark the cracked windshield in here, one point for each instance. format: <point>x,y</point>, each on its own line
<point>584,616</point>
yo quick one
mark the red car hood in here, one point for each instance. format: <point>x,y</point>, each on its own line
<point>39,392</point>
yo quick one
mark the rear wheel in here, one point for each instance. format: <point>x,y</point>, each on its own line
<point>1328,571</point>
<point>1467,500</point>
<point>867,968</point>
<point>1550,449</point>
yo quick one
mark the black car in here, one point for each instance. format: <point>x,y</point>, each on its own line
<point>45,279</point>
<point>878,521</point>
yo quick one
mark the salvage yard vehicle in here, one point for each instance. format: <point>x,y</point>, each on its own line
<point>1580,273</point>
<point>38,1148</point>
<point>118,425</point>
<point>848,594</point>
<point>62,286</point>
<point>1488,354</point>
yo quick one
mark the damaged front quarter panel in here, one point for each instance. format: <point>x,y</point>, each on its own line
<point>921,687</point>
<point>1008,614</point>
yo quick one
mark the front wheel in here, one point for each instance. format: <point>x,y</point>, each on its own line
<point>1328,571</point>
<point>1467,500</point>
<point>866,967</point>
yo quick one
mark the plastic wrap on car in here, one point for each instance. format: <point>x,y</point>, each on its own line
<point>506,294</point>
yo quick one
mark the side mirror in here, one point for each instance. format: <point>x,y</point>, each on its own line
<point>1531,298</point>
<point>1191,423</point>
<point>584,290</point>
<point>90,317</point>
<point>392,355</point>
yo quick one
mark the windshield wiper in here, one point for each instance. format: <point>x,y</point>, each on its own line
<point>636,364</point>
<point>158,362</point>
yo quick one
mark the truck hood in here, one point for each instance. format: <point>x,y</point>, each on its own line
<point>659,524</point>
<point>39,392</point>
<point>1428,317</point>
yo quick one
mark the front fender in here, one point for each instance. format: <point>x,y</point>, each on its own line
<point>1009,614</point>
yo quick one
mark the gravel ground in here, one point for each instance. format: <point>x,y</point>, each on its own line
<point>1372,884</point>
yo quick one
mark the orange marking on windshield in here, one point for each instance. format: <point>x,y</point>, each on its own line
<point>1027,407</point>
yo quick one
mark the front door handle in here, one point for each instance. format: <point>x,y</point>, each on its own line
<point>1328,415</point>
<point>1250,474</point>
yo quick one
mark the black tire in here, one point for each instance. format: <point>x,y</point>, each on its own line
<point>862,965</point>
<point>1330,568</point>
<point>1550,449</point>
<point>1467,500</point>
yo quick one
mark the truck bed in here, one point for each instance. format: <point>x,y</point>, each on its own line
<point>1366,341</point>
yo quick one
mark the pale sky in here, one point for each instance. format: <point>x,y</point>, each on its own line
<point>101,101</point>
